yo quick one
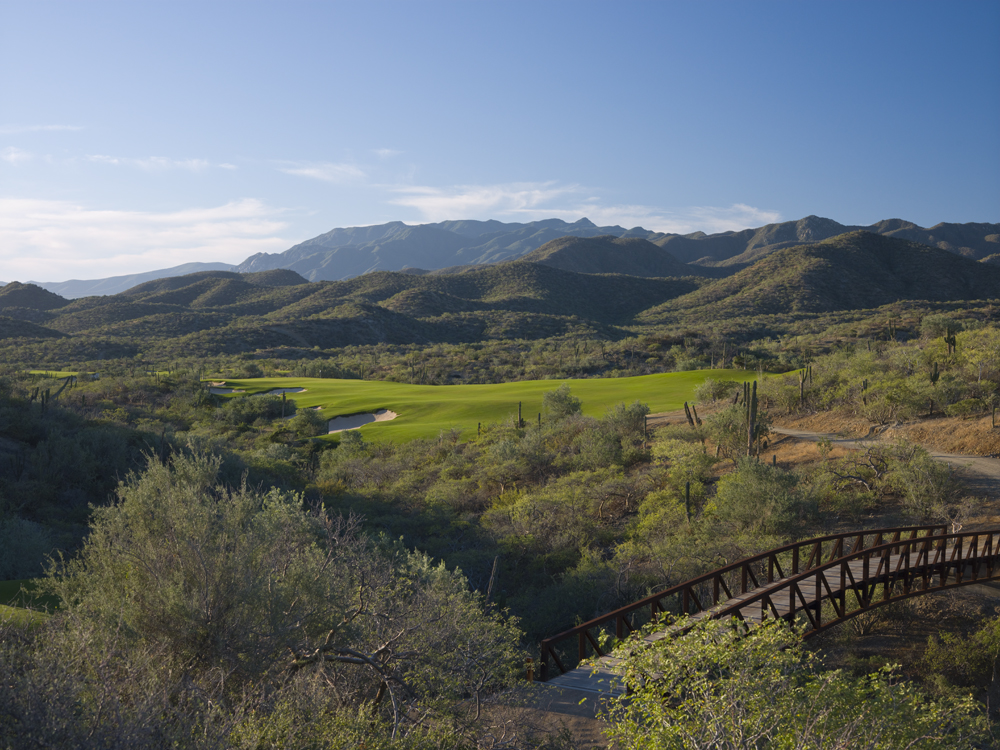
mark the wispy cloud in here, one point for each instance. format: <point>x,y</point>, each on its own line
<point>481,201</point>
<point>18,129</point>
<point>15,156</point>
<point>153,163</point>
<point>325,171</point>
<point>43,240</point>
<point>683,220</point>
<point>527,201</point>
<point>386,153</point>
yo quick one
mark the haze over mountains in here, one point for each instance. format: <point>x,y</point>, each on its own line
<point>561,289</point>
<point>581,246</point>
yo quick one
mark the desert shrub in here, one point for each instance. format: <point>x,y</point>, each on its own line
<point>221,599</point>
<point>729,430</point>
<point>740,687</point>
<point>243,411</point>
<point>560,403</point>
<point>309,423</point>
<point>758,500</point>
<point>967,407</point>
<point>930,488</point>
<point>716,390</point>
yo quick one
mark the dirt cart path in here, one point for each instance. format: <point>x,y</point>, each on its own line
<point>981,473</point>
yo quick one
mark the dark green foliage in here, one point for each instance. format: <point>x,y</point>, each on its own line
<point>223,612</point>
<point>245,412</point>
<point>560,403</point>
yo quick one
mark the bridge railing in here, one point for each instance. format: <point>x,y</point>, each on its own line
<point>901,568</point>
<point>723,584</point>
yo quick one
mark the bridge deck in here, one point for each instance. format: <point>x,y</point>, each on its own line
<point>806,592</point>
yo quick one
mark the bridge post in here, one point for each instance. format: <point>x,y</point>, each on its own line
<point>865,568</point>
<point>819,600</point>
<point>887,586</point>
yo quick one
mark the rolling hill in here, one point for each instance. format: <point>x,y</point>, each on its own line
<point>632,256</point>
<point>457,246</point>
<point>221,312</point>
<point>856,270</point>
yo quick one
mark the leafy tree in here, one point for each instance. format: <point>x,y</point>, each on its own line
<point>930,488</point>
<point>729,430</point>
<point>716,390</point>
<point>196,589</point>
<point>758,503</point>
<point>720,686</point>
<point>560,403</point>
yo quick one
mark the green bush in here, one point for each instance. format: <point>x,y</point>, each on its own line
<point>967,407</point>
<point>716,390</point>
<point>758,500</point>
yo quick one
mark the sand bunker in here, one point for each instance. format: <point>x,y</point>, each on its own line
<point>224,391</point>
<point>354,421</point>
<point>279,391</point>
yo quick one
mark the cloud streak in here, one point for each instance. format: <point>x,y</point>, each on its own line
<point>15,156</point>
<point>528,201</point>
<point>155,163</point>
<point>42,239</point>
<point>324,171</point>
<point>481,201</point>
<point>19,129</point>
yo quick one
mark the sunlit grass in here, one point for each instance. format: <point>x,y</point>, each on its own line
<point>21,605</point>
<point>426,410</point>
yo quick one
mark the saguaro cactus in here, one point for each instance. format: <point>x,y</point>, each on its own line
<point>750,402</point>
<point>687,413</point>
<point>951,340</point>
<point>805,376</point>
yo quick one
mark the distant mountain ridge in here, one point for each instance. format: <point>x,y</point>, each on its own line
<point>213,312</point>
<point>632,256</point>
<point>113,285</point>
<point>344,253</point>
<point>457,246</point>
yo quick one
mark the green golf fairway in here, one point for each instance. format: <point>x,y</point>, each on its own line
<point>12,602</point>
<point>426,410</point>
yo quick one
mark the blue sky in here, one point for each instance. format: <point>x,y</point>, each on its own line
<point>136,136</point>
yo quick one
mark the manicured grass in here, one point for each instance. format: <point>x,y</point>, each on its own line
<point>19,603</point>
<point>426,410</point>
<point>21,593</point>
<point>22,617</point>
<point>57,374</point>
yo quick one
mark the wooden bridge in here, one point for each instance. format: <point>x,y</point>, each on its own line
<point>816,583</point>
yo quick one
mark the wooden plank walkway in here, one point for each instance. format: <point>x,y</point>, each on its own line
<point>874,576</point>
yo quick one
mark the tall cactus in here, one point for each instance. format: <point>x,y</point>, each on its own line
<point>750,401</point>
<point>805,376</point>
<point>951,340</point>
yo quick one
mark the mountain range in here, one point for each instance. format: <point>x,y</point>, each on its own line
<point>560,289</point>
<point>454,246</point>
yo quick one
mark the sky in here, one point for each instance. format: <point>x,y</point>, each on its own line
<point>139,136</point>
